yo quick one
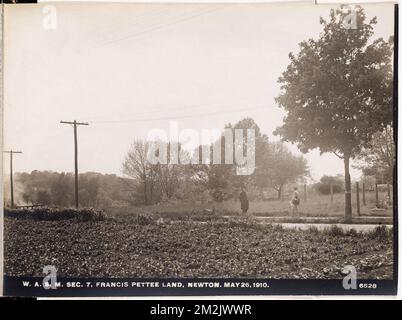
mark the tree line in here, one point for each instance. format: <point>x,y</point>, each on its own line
<point>145,183</point>
<point>57,189</point>
<point>275,166</point>
<point>148,184</point>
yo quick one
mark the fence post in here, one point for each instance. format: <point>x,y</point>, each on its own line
<point>376,195</point>
<point>364,194</point>
<point>357,198</point>
<point>332,192</point>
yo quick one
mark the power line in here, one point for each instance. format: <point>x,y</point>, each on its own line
<point>160,109</point>
<point>138,18</point>
<point>157,111</point>
<point>75,124</point>
<point>161,26</point>
<point>178,117</point>
<point>189,107</point>
<point>11,152</point>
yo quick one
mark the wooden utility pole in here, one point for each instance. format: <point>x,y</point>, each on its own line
<point>305,193</point>
<point>377,204</point>
<point>388,190</point>
<point>331,186</point>
<point>75,124</point>
<point>357,198</point>
<point>364,193</point>
<point>11,152</point>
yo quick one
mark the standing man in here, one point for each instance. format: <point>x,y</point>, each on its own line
<point>243,200</point>
<point>294,202</point>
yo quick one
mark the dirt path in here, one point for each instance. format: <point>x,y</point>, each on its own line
<point>324,223</point>
<point>323,226</point>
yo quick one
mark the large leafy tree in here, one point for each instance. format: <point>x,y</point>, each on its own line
<point>280,166</point>
<point>222,180</point>
<point>337,90</point>
<point>379,160</point>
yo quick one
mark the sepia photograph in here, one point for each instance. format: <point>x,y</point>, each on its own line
<point>216,146</point>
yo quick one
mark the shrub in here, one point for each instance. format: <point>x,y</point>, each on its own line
<point>380,233</point>
<point>334,231</point>
<point>51,213</point>
<point>146,219</point>
<point>313,229</point>
<point>324,186</point>
<point>352,233</point>
<point>278,227</point>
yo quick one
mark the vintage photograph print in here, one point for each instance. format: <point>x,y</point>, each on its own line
<point>199,149</point>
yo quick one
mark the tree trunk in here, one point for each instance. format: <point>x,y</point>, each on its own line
<point>145,193</point>
<point>280,193</point>
<point>151,192</point>
<point>348,194</point>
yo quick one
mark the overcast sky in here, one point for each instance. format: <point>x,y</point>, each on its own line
<point>127,69</point>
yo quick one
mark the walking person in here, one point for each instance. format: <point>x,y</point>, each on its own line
<point>243,200</point>
<point>294,202</point>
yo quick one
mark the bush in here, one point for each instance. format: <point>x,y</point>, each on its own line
<point>324,186</point>
<point>334,231</point>
<point>146,219</point>
<point>278,228</point>
<point>380,233</point>
<point>352,233</point>
<point>49,213</point>
<point>313,229</point>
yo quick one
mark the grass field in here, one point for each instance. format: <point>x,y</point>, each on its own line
<point>315,206</point>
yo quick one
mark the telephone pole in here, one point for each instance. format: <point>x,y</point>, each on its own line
<point>11,152</point>
<point>75,124</point>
